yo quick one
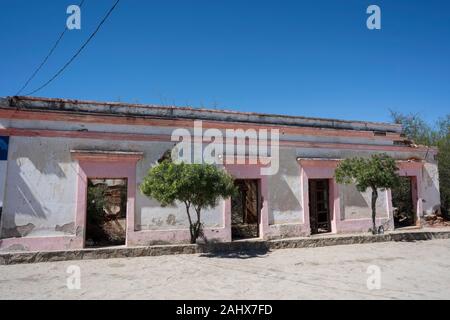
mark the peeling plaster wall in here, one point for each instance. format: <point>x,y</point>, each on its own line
<point>348,153</point>
<point>41,183</point>
<point>430,188</point>
<point>150,214</point>
<point>139,110</point>
<point>285,191</point>
<point>357,205</point>
<point>132,129</point>
<point>40,188</point>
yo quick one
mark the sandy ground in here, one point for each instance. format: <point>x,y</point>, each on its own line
<point>414,270</point>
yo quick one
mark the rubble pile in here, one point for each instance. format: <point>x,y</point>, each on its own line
<point>436,220</point>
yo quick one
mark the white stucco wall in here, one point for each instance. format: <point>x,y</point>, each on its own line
<point>285,191</point>
<point>40,188</point>
<point>358,205</point>
<point>430,188</point>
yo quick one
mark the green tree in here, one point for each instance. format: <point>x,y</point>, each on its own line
<point>377,172</point>
<point>443,158</point>
<point>415,128</point>
<point>198,186</point>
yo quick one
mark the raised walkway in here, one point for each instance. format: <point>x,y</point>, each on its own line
<point>236,247</point>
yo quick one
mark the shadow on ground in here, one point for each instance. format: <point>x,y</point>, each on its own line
<point>241,254</point>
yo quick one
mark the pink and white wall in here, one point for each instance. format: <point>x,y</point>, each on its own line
<point>51,156</point>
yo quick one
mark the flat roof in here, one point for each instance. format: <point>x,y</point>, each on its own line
<point>173,112</point>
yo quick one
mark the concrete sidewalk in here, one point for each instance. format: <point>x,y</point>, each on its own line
<point>256,246</point>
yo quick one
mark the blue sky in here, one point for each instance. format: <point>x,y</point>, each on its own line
<point>310,58</point>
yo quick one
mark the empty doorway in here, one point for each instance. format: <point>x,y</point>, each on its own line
<point>106,212</point>
<point>245,210</point>
<point>404,198</point>
<point>319,206</point>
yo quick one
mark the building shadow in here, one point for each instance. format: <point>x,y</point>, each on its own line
<point>235,250</point>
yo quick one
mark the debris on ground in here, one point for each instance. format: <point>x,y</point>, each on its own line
<point>436,220</point>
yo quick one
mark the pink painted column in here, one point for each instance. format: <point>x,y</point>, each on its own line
<point>335,205</point>
<point>81,206</point>
<point>264,225</point>
<point>227,220</point>
<point>131,200</point>
<point>305,199</point>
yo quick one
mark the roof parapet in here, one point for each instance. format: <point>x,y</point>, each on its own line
<point>155,111</point>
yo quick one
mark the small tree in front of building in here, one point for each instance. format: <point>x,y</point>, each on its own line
<point>374,173</point>
<point>197,186</point>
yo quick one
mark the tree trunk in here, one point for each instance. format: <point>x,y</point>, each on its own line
<point>195,229</point>
<point>191,225</point>
<point>192,231</point>
<point>374,211</point>
<point>197,225</point>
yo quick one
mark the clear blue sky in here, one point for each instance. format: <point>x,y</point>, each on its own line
<point>311,58</point>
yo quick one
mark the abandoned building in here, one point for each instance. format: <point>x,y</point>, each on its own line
<point>59,156</point>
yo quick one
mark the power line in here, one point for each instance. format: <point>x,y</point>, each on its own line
<point>79,50</point>
<point>46,58</point>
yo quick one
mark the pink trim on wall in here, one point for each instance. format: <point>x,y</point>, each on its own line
<point>324,169</point>
<point>123,165</point>
<point>91,164</point>
<point>149,237</point>
<point>98,165</point>
<point>41,243</point>
<point>101,119</point>
<point>167,138</point>
<point>320,169</point>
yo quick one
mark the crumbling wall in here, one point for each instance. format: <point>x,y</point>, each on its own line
<point>40,188</point>
<point>285,191</point>
<point>431,201</point>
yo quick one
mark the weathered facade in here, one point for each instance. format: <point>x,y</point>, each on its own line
<point>52,147</point>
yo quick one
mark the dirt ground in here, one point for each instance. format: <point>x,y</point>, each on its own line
<point>408,270</point>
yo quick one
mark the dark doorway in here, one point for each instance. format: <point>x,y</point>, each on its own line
<point>106,212</point>
<point>319,206</point>
<point>403,203</point>
<point>245,210</point>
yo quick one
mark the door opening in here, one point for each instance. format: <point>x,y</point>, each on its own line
<point>245,210</point>
<point>106,212</point>
<point>404,203</point>
<point>319,206</point>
